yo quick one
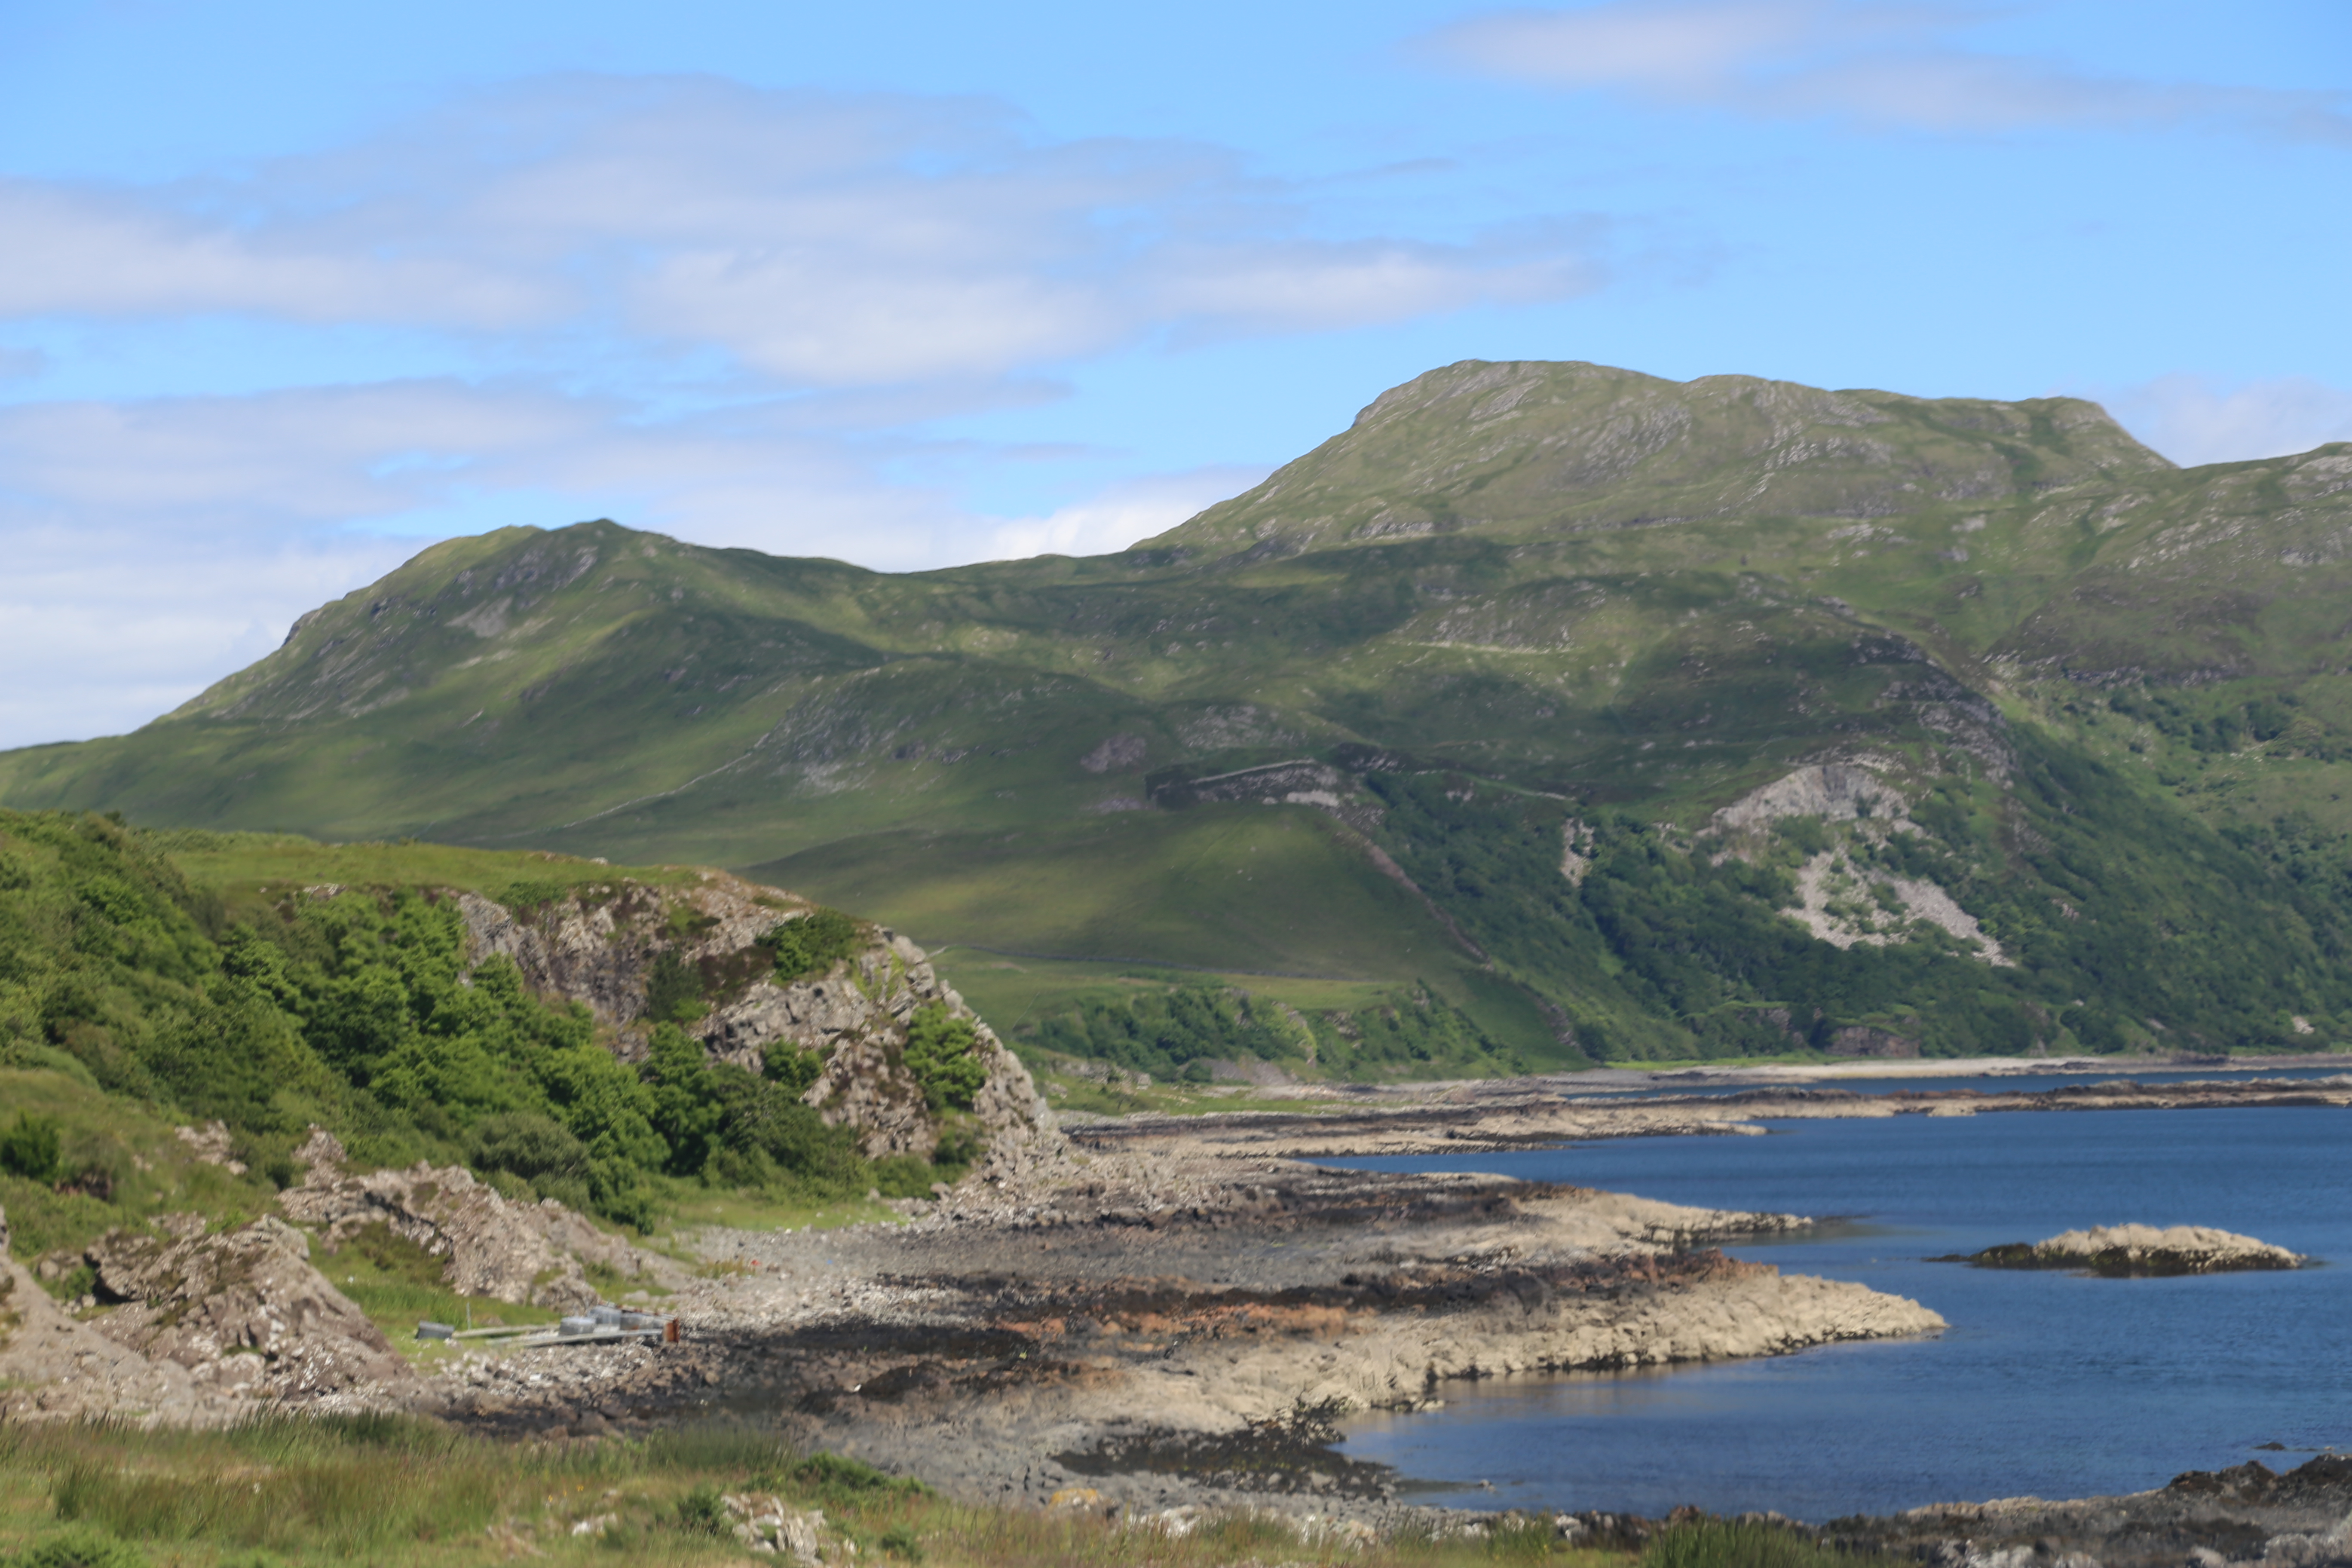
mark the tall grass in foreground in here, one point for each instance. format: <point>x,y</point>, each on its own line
<point>1735,1543</point>
<point>400,1492</point>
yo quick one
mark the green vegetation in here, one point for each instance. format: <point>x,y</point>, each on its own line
<point>1739,1543</point>
<point>940,1054</point>
<point>1176,1031</point>
<point>118,1164</point>
<point>289,1492</point>
<point>2111,913</point>
<point>2095,676</point>
<point>276,1005</point>
<point>812,944</point>
<point>30,1149</point>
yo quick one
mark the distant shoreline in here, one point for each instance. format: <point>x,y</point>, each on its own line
<point>1951,1067</point>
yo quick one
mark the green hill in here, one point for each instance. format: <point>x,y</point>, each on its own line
<point>1429,733</point>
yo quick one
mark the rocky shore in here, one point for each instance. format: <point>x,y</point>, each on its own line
<point>1142,1315</point>
<point>1178,1341</point>
<point>2204,1519</point>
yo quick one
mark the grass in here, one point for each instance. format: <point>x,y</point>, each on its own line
<point>1733,1544</point>
<point>148,1170</point>
<point>251,870</point>
<point>1240,890</point>
<point>400,1492</point>
<point>398,1285</point>
<point>689,1206</point>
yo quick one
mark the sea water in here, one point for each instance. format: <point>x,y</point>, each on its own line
<point>2045,1383</point>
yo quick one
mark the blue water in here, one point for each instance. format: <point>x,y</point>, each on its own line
<point>2003,1083</point>
<point>2045,1384</point>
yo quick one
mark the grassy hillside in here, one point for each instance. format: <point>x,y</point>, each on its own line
<point>1515,607</point>
<point>272,983</point>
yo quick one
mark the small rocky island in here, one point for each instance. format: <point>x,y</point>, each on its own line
<point>2137,1252</point>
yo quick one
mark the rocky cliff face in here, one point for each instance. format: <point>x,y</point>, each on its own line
<point>601,949</point>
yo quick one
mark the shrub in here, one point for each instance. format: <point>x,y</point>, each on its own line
<point>30,1148</point>
<point>812,944</point>
<point>838,1480</point>
<point>79,1546</point>
<point>795,1070</point>
<point>534,1147</point>
<point>674,989</point>
<point>703,1511</point>
<point>940,1054</point>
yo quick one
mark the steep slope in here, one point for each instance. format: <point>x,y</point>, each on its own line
<point>1468,709</point>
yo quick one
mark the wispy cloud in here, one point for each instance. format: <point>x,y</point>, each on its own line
<point>2194,419</point>
<point>1122,513</point>
<point>819,240</point>
<point>1891,65</point>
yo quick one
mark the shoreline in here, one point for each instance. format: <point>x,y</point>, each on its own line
<point>1169,1315</point>
<point>1157,1334</point>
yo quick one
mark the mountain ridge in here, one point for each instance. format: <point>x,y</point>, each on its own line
<point>2050,627</point>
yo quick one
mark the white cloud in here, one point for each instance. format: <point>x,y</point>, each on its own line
<point>822,240</point>
<point>2195,419</point>
<point>1896,64</point>
<point>1123,514</point>
<point>103,629</point>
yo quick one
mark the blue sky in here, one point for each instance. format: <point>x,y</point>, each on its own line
<point>289,291</point>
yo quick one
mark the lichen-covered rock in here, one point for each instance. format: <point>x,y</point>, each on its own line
<point>495,1246</point>
<point>243,1311</point>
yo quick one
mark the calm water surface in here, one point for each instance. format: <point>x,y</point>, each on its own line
<point>2045,1384</point>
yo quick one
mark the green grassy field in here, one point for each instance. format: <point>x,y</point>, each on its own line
<point>1276,890</point>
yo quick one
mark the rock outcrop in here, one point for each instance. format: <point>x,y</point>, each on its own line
<point>495,1246</point>
<point>243,1311</point>
<point>2141,1251</point>
<point>599,948</point>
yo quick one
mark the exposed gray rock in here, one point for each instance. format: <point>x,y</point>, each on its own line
<point>495,1246</point>
<point>599,948</point>
<point>243,1311</point>
<point>1833,790</point>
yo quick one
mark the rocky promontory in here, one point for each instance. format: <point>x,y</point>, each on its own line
<point>2140,1252</point>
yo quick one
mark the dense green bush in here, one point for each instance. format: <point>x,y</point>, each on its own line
<point>673,990</point>
<point>81,1546</point>
<point>1158,1032</point>
<point>811,944</point>
<point>536,1148</point>
<point>942,1055</point>
<point>1174,1033</point>
<point>30,1149</point>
